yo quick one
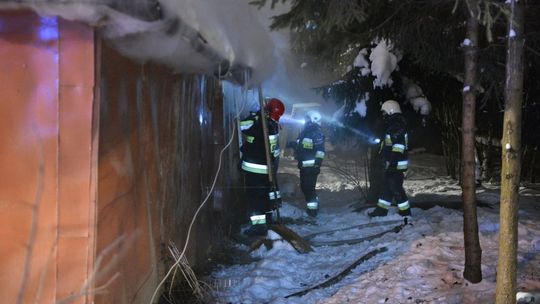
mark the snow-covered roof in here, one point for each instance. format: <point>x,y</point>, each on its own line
<point>188,36</point>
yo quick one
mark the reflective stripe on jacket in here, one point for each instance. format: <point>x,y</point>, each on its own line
<point>395,144</point>
<point>310,150</point>
<point>253,143</point>
<point>254,168</point>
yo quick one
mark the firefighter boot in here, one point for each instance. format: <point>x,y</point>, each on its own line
<point>312,212</point>
<point>258,225</point>
<point>312,208</point>
<point>378,211</point>
<point>269,219</point>
<point>406,212</point>
<point>256,230</point>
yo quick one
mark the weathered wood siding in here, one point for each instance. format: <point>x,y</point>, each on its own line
<point>159,140</point>
<point>103,162</point>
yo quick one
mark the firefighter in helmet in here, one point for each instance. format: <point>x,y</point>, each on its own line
<point>394,155</point>
<point>262,196</point>
<point>309,153</point>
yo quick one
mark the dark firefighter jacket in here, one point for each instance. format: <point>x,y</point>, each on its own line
<point>310,150</point>
<point>395,143</point>
<point>253,155</point>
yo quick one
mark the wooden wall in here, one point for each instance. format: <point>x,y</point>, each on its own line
<point>160,135</point>
<point>46,194</point>
<point>103,162</point>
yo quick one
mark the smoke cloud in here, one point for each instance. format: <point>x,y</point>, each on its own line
<point>292,80</point>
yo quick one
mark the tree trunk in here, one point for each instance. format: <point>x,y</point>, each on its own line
<point>511,162</point>
<point>448,114</point>
<point>473,252</point>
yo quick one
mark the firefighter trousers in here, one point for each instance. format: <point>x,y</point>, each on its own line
<point>257,193</point>
<point>308,180</point>
<point>393,187</point>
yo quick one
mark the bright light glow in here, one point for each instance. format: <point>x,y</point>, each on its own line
<point>48,29</point>
<point>288,119</point>
<point>365,136</point>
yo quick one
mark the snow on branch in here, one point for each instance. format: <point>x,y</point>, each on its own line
<point>383,63</point>
<point>415,96</point>
<point>360,60</point>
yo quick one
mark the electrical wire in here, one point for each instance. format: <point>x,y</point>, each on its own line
<point>198,210</point>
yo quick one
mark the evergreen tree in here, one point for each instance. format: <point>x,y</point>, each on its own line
<point>329,34</point>
<point>431,36</point>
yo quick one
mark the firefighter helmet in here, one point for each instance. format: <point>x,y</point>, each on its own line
<point>275,108</point>
<point>390,107</point>
<point>314,117</point>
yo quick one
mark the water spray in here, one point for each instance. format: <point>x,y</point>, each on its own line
<point>371,139</point>
<point>288,119</point>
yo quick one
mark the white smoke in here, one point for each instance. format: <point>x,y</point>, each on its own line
<point>293,80</point>
<point>233,28</point>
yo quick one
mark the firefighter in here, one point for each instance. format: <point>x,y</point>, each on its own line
<point>262,197</point>
<point>394,155</point>
<point>309,153</point>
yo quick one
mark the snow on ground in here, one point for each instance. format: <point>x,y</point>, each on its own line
<point>423,263</point>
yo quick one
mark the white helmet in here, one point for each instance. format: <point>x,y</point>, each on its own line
<point>390,107</point>
<point>314,117</point>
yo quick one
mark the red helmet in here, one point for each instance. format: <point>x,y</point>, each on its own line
<point>275,108</point>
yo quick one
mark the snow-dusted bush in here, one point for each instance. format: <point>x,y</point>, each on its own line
<point>379,64</point>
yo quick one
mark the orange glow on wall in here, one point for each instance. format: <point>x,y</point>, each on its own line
<point>46,85</point>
